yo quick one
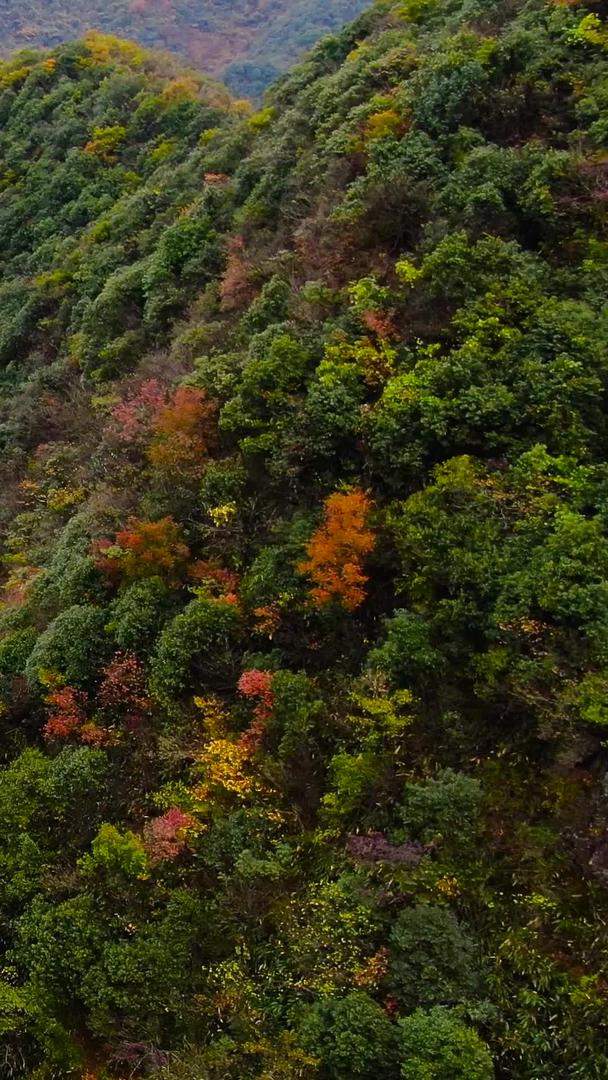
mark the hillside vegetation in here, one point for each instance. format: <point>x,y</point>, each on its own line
<point>303,634</point>
<point>245,42</point>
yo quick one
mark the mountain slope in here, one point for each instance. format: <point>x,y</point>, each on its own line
<point>247,44</point>
<point>303,645</point>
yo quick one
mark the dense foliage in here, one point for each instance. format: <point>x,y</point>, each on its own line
<point>303,636</point>
<point>245,42</point>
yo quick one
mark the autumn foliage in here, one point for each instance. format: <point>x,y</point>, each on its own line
<point>165,836</point>
<point>122,693</point>
<point>236,289</point>
<point>304,556</point>
<point>132,417</point>
<point>215,580</point>
<point>257,686</point>
<point>336,550</point>
<point>143,549</point>
<point>66,713</point>
<point>183,431</point>
<point>120,704</point>
<point>68,718</point>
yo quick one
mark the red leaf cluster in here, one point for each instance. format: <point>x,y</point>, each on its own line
<point>68,717</point>
<point>67,713</point>
<point>132,418</point>
<point>165,837</point>
<point>122,693</point>
<point>257,685</point>
<point>216,579</point>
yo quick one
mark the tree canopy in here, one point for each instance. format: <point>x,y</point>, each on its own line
<point>304,553</point>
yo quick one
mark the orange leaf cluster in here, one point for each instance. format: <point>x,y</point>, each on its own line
<point>336,550</point>
<point>151,547</point>
<point>216,179</point>
<point>268,619</point>
<point>375,969</point>
<point>143,549</point>
<point>236,289</point>
<point>67,717</point>
<point>183,431</point>
<point>66,714</point>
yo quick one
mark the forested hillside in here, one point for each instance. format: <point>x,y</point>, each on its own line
<point>303,632</point>
<point>245,42</point>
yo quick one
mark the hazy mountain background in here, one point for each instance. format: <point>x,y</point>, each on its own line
<point>247,43</point>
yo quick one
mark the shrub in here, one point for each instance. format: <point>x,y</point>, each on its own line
<point>407,654</point>
<point>116,855</point>
<point>144,549</point>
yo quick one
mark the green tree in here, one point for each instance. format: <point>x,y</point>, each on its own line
<point>198,649</point>
<point>433,960</point>
<point>352,1037</point>
<point>436,1045</point>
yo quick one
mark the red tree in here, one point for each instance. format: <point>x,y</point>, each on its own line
<point>132,418</point>
<point>257,685</point>
<point>165,837</point>
<point>122,694</point>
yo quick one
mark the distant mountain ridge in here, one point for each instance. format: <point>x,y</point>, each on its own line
<point>245,42</point>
